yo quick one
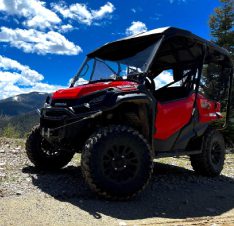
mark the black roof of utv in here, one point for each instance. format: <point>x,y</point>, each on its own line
<point>183,43</point>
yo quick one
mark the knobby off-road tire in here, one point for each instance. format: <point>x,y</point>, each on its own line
<point>210,162</point>
<point>117,162</point>
<point>43,155</point>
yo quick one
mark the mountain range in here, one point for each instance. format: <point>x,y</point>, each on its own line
<point>19,113</point>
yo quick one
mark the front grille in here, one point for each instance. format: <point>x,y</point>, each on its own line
<point>54,117</point>
<point>56,113</point>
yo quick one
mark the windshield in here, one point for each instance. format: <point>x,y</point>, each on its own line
<point>95,69</point>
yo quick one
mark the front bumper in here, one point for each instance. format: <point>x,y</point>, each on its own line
<point>62,123</point>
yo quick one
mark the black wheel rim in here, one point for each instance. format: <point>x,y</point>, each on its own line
<point>120,163</point>
<point>216,153</point>
<point>48,149</point>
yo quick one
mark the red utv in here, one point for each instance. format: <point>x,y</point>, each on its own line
<point>150,95</point>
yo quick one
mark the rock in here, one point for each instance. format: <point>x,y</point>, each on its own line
<point>2,175</point>
<point>47,196</point>
<point>14,151</point>
<point>18,192</point>
<point>214,224</point>
<point>1,193</point>
<point>2,164</point>
<point>28,179</point>
<point>2,151</point>
<point>122,223</point>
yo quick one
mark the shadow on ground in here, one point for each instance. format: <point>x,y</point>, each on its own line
<point>174,192</point>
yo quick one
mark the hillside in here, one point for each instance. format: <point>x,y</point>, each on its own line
<point>18,114</point>
<point>21,104</point>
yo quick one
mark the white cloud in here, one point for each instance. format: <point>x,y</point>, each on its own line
<point>80,81</point>
<point>82,13</point>
<point>33,41</point>
<point>43,88</point>
<point>38,20</point>
<point>25,72</point>
<point>16,78</point>
<point>135,28</point>
<point>35,12</point>
<point>65,28</point>
<point>104,10</point>
<point>163,79</point>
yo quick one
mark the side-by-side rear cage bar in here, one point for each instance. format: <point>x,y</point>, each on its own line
<point>229,99</point>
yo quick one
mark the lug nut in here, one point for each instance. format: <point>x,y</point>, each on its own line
<point>122,156</point>
<point>115,169</point>
<point>113,159</point>
<point>125,166</point>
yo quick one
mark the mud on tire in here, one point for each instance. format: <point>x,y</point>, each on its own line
<point>210,162</point>
<point>43,155</point>
<point>117,162</point>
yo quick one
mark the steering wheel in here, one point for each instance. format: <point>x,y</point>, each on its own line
<point>149,84</point>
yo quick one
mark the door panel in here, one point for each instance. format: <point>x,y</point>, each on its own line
<point>172,116</point>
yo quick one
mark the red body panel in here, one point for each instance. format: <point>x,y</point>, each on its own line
<point>76,92</point>
<point>208,110</point>
<point>172,116</point>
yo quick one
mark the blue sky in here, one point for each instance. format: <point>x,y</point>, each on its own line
<point>42,44</point>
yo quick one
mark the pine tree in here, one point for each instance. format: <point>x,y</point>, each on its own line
<point>221,25</point>
<point>222,32</point>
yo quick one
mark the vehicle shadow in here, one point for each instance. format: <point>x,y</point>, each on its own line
<point>173,192</point>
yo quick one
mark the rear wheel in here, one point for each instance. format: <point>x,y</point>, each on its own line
<point>210,162</point>
<point>43,154</point>
<point>117,162</point>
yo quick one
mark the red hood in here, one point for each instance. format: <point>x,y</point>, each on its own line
<point>76,92</point>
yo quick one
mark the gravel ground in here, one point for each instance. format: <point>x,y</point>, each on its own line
<point>175,196</point>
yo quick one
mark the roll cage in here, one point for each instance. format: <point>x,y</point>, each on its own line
<point>172,48</point>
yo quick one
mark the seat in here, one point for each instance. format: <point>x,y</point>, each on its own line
<point>171,93</point>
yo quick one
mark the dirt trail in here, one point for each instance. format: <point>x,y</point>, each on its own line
<point>175,196</point>
<point>39,210</point>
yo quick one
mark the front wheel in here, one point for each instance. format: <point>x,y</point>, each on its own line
<point>117,162</point>
<point>43,154</point>
<point>211,161</point>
